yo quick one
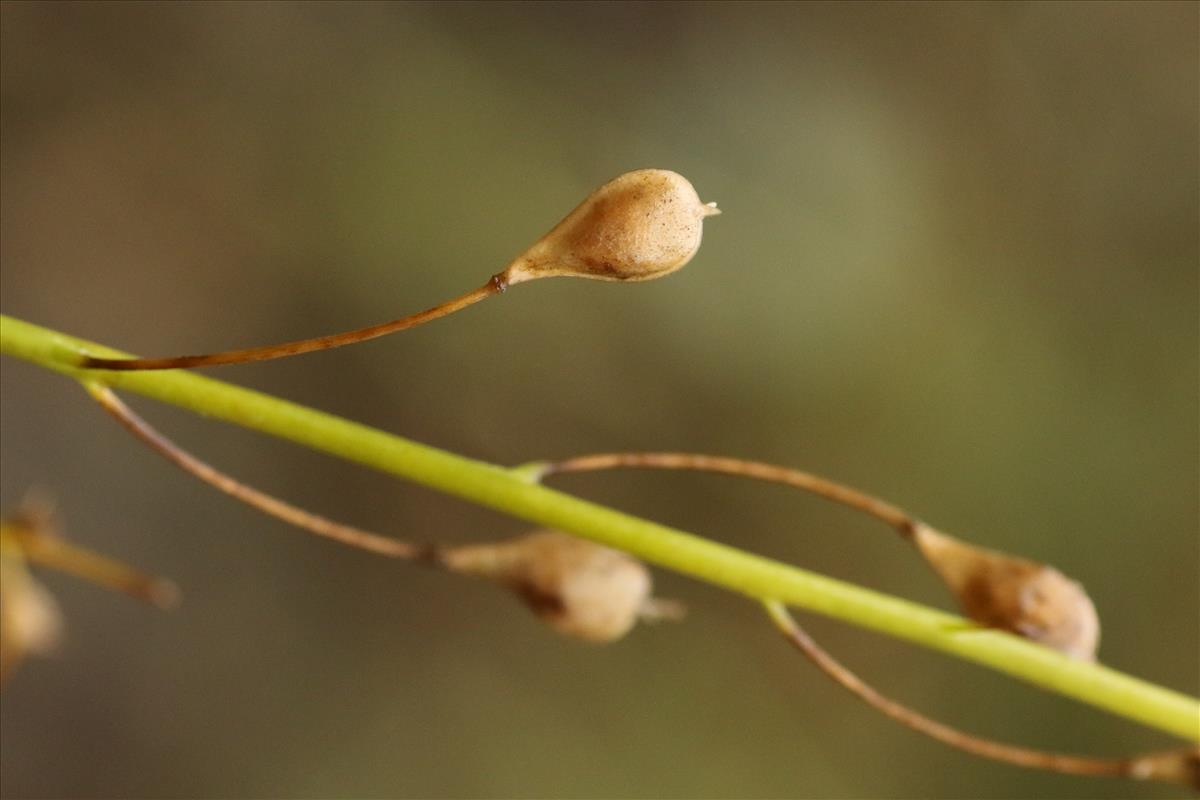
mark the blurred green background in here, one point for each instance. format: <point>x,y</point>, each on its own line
<point>957,267</point>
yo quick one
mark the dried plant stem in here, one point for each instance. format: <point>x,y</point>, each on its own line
<point>512,492</point>
<point>57,553</point>
<point>1176,766</point>
<point>495,285</point>
<point>272,506</point>
<point>897,517</point>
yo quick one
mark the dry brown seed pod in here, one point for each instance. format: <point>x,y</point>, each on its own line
<point>1178,766</point>
<point>641,225</point>
<point>1018,595</point>
<point>30,620</point>
<point>580,588</point>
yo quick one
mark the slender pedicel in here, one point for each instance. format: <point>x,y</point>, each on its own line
<point>897,517</point>
<point>34,535</point>
<point>314,523</point>
<point>1174,766</point>
<point>31,622</point>
<point>579,588</point>
<point>639,226</point>
<point>268,352</point>
<point>995,589</point>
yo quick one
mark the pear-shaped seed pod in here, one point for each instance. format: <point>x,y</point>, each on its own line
<point>641,225</point>
<point>1027,598</point>
<point>580,588</point>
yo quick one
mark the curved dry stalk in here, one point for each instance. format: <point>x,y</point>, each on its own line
<point>495,285</point>
<point>1175,766</point>
<point>33,535</point>
<point>293,515</point>
<point>904,523</point>
<point>59,554</point>
<point>31,621</point>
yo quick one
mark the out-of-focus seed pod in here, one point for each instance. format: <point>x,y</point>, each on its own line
<point>580,588</point>
<point>30,619</point>
<point>1018,595</point>
<point>1175,766</point>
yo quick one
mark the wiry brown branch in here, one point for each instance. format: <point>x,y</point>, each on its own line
<point>314,523</point>
<point>268,352</point>
<point>1175,766</point>
<point>895,516</point>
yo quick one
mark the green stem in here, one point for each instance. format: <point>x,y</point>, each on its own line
<point>512,492</point>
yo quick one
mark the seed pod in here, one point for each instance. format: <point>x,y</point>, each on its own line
<point>1002,591</point>
<point>30,619</point>
<point>641,225</point>
<point>580,588</point>
<point>1175,766</point>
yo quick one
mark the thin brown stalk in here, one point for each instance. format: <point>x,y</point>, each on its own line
<point>897,517</point>
<point>33,536</point>
<point>59,554</point>
<point>314,523</point>
<point>1176,766</point>
<point>495,285</point>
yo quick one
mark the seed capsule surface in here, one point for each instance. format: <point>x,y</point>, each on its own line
<point>1025,597</point>
<point>579,588</point>
<point>639,226</point>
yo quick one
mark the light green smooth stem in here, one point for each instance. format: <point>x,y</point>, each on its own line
<point>724,566</point>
